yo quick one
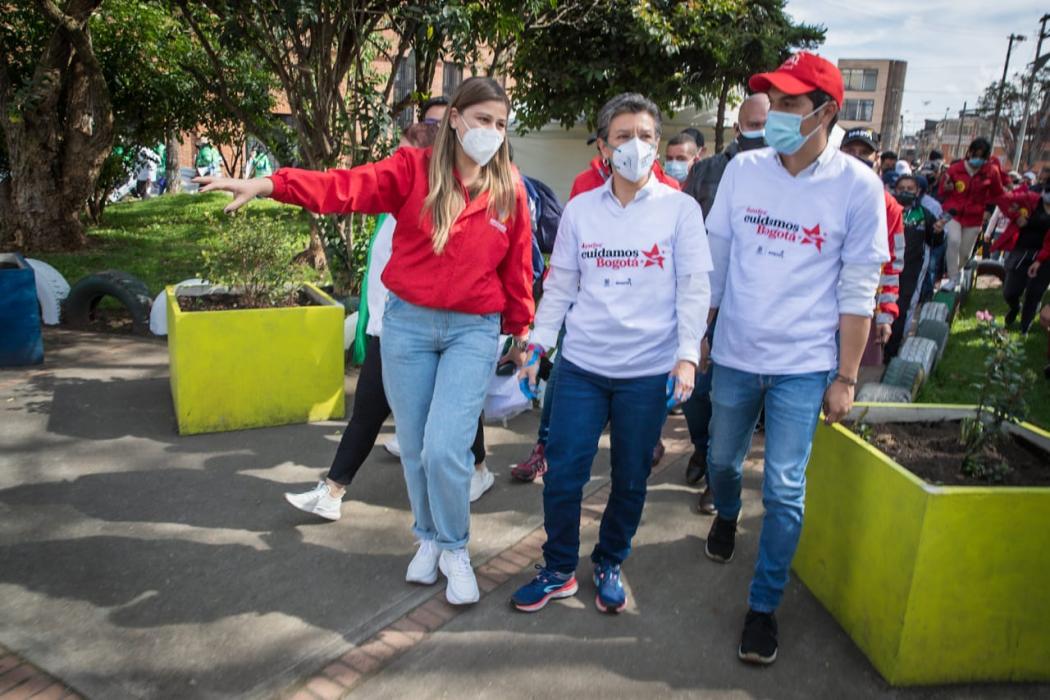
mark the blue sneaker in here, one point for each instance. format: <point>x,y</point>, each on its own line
<point>611,597</point>
<point>547,586</point>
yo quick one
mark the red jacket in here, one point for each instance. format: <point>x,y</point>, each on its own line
<point>486,266</point>
<point>1014,205</point>
<point>969,194</point>
<point>889,283</point>
<point>596,174</point>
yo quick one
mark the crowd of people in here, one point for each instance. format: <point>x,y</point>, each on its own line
<point>742,288</point>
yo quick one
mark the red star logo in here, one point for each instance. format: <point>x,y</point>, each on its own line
<point>653,257</point>
<point>813,235</point>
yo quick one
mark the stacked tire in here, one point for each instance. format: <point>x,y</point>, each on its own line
<point>79,308</point>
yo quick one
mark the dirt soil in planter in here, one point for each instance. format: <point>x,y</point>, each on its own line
<point>231,302</point>
<point>932,452</point>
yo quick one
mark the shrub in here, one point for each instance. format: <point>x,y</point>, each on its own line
<point>253,257</point>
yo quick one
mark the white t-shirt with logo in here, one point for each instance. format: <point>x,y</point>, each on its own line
<point>789,238</point>
<point>632,264</point>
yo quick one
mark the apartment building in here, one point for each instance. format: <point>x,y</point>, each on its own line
<point>874,91</point>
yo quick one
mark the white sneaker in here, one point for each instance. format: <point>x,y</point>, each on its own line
<point>318,500</point>
<point>480,482</point>
<point>948,286</point>
<point>424,566</point>
<point>462,587</point>
<point>392,447</point>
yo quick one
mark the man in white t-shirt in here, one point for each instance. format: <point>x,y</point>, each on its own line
<point>629,278</point>
<point>798,236</point>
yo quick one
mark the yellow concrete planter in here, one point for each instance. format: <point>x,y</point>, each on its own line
<point>256,367</point>
<point>935,584</point>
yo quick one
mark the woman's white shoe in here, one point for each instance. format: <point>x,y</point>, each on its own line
<point>480,482</point>
<point>462,586</point>
<point>424,566</point>
<point>318,501</point>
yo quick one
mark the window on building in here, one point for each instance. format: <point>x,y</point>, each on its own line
<point>453,76</point>
<point>863,79</point>
<point>404,86</point>
<point>858,110</point>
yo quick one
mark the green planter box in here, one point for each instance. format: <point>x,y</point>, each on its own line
<point>255,367</point>
<point>935,584</point>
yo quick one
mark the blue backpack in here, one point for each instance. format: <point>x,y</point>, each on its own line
<point>546,213</point>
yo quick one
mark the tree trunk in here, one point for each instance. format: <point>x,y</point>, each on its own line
<point>58,134</point>
<point>720,120</point>
<point>172,168</point>
<point>7,234</point>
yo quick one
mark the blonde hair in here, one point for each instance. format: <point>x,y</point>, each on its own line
<point>445,200</point>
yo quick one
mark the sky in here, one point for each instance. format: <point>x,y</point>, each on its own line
<point>954,48</point>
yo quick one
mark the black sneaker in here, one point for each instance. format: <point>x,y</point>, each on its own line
<point>1011,316</point>
<point>721,540</point>
<point>697,468</point>
<point>758,645</point>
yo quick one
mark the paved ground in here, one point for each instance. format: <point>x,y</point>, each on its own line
<point>135,563</point>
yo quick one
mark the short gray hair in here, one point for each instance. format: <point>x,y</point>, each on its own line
<point>626,103</point>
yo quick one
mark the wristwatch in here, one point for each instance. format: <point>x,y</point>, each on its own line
<point>848,381</point>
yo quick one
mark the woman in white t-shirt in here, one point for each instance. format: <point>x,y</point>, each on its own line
<point>629,278</point>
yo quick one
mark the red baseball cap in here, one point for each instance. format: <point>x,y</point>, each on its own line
<point>802,73</point>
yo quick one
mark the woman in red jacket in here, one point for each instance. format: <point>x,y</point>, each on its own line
<point>1028,241</point>
<point>462,258</point>
<point>968,187</point>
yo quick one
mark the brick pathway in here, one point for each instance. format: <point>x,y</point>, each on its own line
<point>20,679</point>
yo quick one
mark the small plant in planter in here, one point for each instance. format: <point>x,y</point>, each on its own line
<point>260,346</point>
<point>1001,400</point>
<point>253,261</point>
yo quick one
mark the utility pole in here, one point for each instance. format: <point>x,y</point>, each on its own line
<point>958,144</point>
<point>1002,86</point>
<point>1038,63</point>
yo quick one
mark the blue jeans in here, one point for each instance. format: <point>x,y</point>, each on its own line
<point>792,403</point>
<point>697,411</point>
<point>436,370</point>
<point>585,401</point>
<point>933,271</point>
<point>548,395</point>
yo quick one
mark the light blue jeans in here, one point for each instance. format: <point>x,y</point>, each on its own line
<point>436,371</point>
<point>792,403</point>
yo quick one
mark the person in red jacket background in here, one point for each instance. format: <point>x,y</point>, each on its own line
<point>462,258</point>
<point>599,170</point>
<point>1027,241</point>
<point>863,144</point>
<point>968,187</point>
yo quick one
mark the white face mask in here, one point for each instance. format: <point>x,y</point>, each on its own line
<point>634,159</point>
<point>480,143</point>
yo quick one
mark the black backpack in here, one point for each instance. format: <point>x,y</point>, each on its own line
<point>545,210</point>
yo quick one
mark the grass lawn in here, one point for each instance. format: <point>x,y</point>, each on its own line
<point>963,362</point>
<point>159,240</point>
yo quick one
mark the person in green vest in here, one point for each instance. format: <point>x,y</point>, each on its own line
<point>209,162</point>
<point>259,163</point>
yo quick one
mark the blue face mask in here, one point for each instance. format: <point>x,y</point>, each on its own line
<point>976,162</point>
<point>756,134</point>
<point>678,169</point>
<point>784,131</point>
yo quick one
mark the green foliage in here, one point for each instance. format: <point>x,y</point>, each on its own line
<point>253,257</point>
<point>962,366</point>
<point>1000,400</point>
<point>679,53</point>
<point>159,240</point>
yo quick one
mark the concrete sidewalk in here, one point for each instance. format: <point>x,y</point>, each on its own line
<point>135,563</point>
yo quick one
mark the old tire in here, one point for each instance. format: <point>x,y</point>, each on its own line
<point>905,374</point>
<point>883,393</point>
<point>937,331</point>
<point>51,290</point>
<point>991,267</point>
<point>921,350</point>
<point>79,307</point>
<point>934,311</point>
